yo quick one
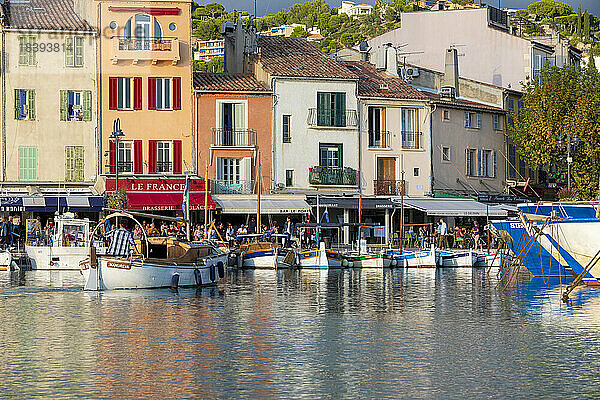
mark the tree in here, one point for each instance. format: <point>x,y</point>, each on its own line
<point>586,25</point>
<point>216,64</point>
<point>549,8</point>
<point>299,32</point>
<point>579,21</point>
<point>564,98</point>
<point>349,39</point>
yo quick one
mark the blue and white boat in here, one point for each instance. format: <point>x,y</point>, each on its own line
<point>457,259</point>
<point>555,239</point>
<point>423,258</point>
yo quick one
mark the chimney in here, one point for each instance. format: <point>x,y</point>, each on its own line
<point>364,48</point>
<point>384,88</point>
<point>391,60</point>
<point>450,79</point>
<point>240,41</point>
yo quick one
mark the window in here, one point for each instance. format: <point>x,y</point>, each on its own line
<point>163,157</point>
<point>289,177</point>
<point>74,164</point>
<point>231,128</point>
<point>376,121</point>
<point>446,154</point>
<point>496,122</point>
<point>330,155</point>
<point>27,163</point>
<point>75,105</point>
<point>124,94</point>
<point>163,93</point>
<point>512,161</point>
<point>511,111</point>
<point>125,159</point>
<point>410,129</point>
<point>27,47</point>
<point>471,163</point>
<point>473,120</point>
<point>482,163</point>
<point>286,129</point>
<point>331,109</point>
<point>24,104</point>
<point>445,115</point>
<point>415,171</point>
<point>74,51</point>
<point>229,170</point>
<point>141,30</point>
<point>234,175</point>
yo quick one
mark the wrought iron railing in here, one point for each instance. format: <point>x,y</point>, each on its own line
<point>411,140</point>
<point>125,166</point>
<point>387,187</point>
<point>333,176</point>
<point>379,140</point>
<point>332,117</point>
<point>163,166</point>
<point>145,44</point>
<point>234,137</point>
<point>232,187</point>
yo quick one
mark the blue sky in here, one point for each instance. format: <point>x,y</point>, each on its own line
<point>272,6</point>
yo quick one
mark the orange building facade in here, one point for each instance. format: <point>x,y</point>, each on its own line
<point>233,126</point>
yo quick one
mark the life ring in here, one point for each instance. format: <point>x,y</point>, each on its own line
<point>221,269</point>
<point>212,272</point>
<point>198,276</point>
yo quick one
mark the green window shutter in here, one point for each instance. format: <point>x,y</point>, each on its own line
<point>341,155</point>
<point>31,105</point>
<point>17,103</point>
<point>79,163</point>
<point>87,105</point>
<point>340,109</point>
<point>64,105</point>
<point>69,163</point>
<point>33,163</point>
<point>78,51</point>
<point>23,54</point>
<point>32,58</point>
<point>27,163</point>
<point>323,109</point>
<point>69,51</point>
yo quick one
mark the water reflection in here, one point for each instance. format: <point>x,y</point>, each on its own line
<point>295,334</point>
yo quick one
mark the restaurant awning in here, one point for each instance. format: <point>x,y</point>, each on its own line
<point>454,208</point>
<point>162,194</point>
<point>267,206</point>
<point>368,203</point>
<point>52,204</point>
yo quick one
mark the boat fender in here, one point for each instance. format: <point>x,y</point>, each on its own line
<point>198,276</point>
<point>212,273</point>
<point>175,281</point>
<point>350,264</point>
<point>345,263</point>
<point>394,263</point>
<point>221,269</point>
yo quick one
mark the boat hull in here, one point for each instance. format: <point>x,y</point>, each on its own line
<point>489,260</point>
<point>261,259</point>
<point>414,259</point>
<point>367,261</point>
<point>120,273</point>
<point>56,258</point>
<point>461,259</point>
<point>319,259</point>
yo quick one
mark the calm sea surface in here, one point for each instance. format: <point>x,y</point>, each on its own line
<point>300,334</point>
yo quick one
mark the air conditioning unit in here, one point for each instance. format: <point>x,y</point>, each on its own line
<point>412,72</point>
<point>448,93</point>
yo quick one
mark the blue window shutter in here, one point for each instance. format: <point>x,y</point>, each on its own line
<point>468,158</point>
<point>479,169</point>
<point>479,120</point>
<point>467,120</point>
<point>495,160</point>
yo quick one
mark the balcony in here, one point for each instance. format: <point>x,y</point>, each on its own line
<point>125,167</point>
<point>136,49</point>
<point>332,119</point>
<point>233,137</point>
<point>228,187</point>
<point>163,167</point>
<point>333,176</point>
<point>387,188</point>
<point>411,140</point>
<point>379,140</point>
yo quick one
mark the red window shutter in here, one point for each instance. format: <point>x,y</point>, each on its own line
<point>112,93</point>
<point>151,93</point>
<point>177,156</point>
<point>112,157</point>
<point>177,93</point>
<point>137,93</point>
<point>137,157</point>
<point>152,150</point>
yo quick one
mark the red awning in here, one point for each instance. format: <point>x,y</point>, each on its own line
<point>162,194</point>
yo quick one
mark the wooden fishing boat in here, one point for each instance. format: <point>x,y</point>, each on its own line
<point>366,260</point>
<point>320,258</point>
<point>161,262</point>
<point>457,259</point>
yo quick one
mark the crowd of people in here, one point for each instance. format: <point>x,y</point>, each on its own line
<point>444,237</point>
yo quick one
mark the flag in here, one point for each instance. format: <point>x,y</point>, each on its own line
<point>184,205</point>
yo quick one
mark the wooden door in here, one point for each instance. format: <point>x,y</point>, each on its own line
<point>386,169</point>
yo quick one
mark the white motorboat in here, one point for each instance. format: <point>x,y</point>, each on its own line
<point>489,259</point>
<point>163,262</point>
<point>7,264</point>
<point>423,258</point>
<point>457,259</point>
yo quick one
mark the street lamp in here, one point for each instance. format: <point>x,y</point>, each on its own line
<point>116,134</point>
<point>571,142</point>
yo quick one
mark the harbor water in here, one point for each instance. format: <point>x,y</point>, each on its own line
<point>446,333</point>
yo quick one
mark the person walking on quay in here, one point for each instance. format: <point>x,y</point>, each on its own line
<point>121,240</point>
<point>252,226</point>
<point>288,229</point>
<point>442,231</point>
<point>476,233</point>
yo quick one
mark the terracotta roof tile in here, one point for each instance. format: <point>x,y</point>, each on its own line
<point>226,82</point>
<point>45,15</point>
<point>297,57</point>
<point>370,79</point>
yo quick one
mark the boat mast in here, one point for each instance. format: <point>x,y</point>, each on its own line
<point>187,207</point>
<point>206,202</point>
<point>401,201</point>
<point>258,224</point>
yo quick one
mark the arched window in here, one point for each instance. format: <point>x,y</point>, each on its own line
<point>142,29</point>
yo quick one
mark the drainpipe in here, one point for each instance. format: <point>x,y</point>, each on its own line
<point>431,179</point>
<point>99,98</point>
<point>274,136</point>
